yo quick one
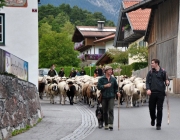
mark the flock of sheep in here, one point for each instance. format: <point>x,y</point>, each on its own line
<point>132,89</point>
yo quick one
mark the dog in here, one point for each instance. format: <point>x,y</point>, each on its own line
<point>99,115</point>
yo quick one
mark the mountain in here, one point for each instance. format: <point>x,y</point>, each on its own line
<point>109,8</point>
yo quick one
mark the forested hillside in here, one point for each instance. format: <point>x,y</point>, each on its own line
<point>109,8</point>
<point>56,27</point>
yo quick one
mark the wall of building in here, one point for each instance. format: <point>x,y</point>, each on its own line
<point>109,45</point>
<point>21,35</point>
<point>163,37</point>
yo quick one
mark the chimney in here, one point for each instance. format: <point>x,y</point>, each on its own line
<point>100,24</point>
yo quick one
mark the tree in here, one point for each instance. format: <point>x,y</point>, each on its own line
<point>118,56</point>
<point>138,53</point>
<point>109,23</point>
<point>99,16</point>
<point>68,28</point>
<point>57,48</point>
<point>45,28</point>
<point>59,21</point>
<point>2,3</point>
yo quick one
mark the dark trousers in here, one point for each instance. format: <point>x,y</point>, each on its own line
<point>108,110</point>
<point>156,100</point>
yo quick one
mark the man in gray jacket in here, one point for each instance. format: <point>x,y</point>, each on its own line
<point>109,88</point>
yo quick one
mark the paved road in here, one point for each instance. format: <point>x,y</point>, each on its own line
<point>66,122</point>
<point>135,124</point>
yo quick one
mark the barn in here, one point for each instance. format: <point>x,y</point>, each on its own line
<point>162,35</point>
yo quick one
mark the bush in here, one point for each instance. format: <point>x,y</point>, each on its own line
<point>127,69</point>
<point>89,70</point>
<point>139,65</point>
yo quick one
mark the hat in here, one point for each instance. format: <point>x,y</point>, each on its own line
<point>70,83</point>
<point>107,68</point>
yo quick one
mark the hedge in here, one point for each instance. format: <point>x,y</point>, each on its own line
<point>125,69</point>
<point>67,70</point>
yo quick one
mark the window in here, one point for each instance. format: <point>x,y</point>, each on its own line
<point>2,34</point>
<point>142,44</point>
<point>101,51</point>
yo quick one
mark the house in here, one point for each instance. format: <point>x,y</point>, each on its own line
<point>131,26</point>
<point>108,44</point>
<point>163,35</point>
<point>84,37</point>
<point>19,34</point>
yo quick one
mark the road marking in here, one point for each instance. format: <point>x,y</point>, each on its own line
<point>88,125</point>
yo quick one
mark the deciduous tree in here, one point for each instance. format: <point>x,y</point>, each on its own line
<point>139,53</point>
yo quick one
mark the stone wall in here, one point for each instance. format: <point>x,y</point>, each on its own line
<point>19,105</point>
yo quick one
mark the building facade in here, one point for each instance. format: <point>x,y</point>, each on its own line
<point>84,38</point>
<point>19,33</point>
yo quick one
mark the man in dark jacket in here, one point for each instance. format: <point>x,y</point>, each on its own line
<point>82,72</point>
<point>52,71</point>
<point>72,73</point>
<point>109,88</point>
<point>61,72</point>
<point>71,92</point>
<point>156,82</point>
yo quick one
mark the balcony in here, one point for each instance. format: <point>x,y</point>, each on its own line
<point>78,45</point>
<point>92,56</point>
<point>128,33</point>
<point>82,57</point>
<point>85,57</point>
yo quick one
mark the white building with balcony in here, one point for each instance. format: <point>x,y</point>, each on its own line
<point>84,37</point>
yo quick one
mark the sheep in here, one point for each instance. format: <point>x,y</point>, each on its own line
<point>51,90</point>
<point>91,94</point>
<point>136,97</point>
<point>128,90</point>
<point>63,87</point>
<point>41,86</point>
<point>77,92</point>
<point>142,89</point>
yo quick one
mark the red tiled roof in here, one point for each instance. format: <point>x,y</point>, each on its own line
<point>110,37</point>
<point>139,18</point>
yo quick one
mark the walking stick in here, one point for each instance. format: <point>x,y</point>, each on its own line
<point>118,111</point>
<point>167,99</point>
<point>118,101</point>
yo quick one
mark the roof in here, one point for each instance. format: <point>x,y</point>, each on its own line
<point>138,21</point>
<point>94,31</point>
<point>91,31</point>
<point>104,59</point>
<point>143,4</point>
<point>139,18</point>
<point>107,38</point>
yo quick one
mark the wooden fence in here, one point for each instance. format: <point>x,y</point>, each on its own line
<point>141,73</point>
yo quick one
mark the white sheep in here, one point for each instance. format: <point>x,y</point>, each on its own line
<point>63,87</point>
<point>142,89</point>
<point>129,90</point>
<point>51,90</point>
